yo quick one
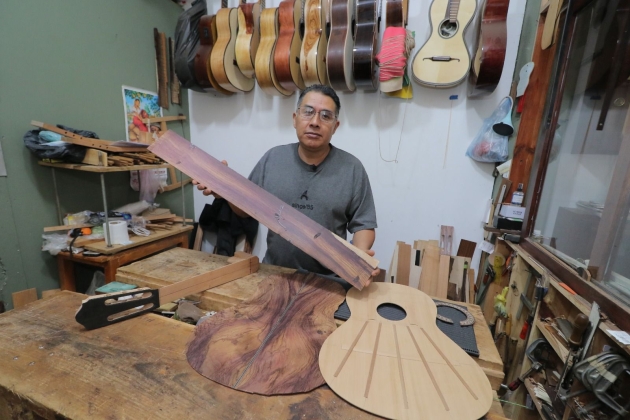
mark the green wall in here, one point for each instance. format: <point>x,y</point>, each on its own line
<point>64,62</point>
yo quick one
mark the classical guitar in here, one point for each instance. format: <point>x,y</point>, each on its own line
<point>286,58</point>
<point>203,73</point>
<point>223,56</point>
<point>404,368</point>
<point>340,45</point>
<point>443,61</point>
<point>265,73</point>
<point>487,65</point>
<point>248,37</point>
<point>366,33</point>
<point>313,52</point>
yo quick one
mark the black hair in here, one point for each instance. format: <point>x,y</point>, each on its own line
<point>324,90</point>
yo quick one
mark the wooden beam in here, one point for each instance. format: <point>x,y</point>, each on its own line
<point>272,212</point>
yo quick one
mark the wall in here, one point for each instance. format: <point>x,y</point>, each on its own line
<point>65,62</point>
<point>432,183</point>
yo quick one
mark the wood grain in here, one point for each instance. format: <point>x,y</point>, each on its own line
<point>207,38</point>
<point>366,33</point>
<point>265,72</point>
<point>248,37</point>
<point>416,371</point>
<point>23,298</point>
<point>270,343</point>
<point>340,46</point>
<point>313,52</point>
<point>430,270</point>
<point>161,59</point>
<point>278,216</point>
<point>286,58</point>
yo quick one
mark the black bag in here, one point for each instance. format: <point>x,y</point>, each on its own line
<point>67,152</point>
<point>186,43</point>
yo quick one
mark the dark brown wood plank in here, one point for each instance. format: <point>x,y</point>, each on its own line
<point>269,210</point>
<point>269,344</point>
<point>466,248</point>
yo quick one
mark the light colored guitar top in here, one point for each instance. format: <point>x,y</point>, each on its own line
<point>265,73</point>
<point>405,369</point>
<point>223,56</point>
<point>313,52</point>
<point>248,37</point>
<point>443,61</point>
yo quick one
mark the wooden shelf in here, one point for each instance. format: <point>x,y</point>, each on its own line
<point>554,340</point>
<point>101,169</point>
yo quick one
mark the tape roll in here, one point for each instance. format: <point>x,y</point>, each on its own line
<point>118,231</point>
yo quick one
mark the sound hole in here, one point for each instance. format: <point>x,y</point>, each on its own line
<point>391,311</point>
<point>448,28</point>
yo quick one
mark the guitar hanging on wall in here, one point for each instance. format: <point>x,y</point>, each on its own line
<point>203,72</point>
<point>366,35</point>
<point>265,72</point>
<point>487,65</point>
<point>340,46</point>
<point>443,61</point>
<point>286,58</point>
<point>313,52</point>
<point>223,57</point>
<point>248,37</point>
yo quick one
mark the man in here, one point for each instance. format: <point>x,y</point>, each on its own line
<point>325,183</point>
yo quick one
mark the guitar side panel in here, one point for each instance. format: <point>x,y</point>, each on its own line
<point>244,39</point>
<point>265,73</point>
<point>286,66</point>
<point>313,52</point>
<point>339,57</point>
<point>363,66</point>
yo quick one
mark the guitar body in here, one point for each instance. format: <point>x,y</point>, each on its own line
<point>207,36</point>
<point>313,52</point>
<point>406,369</point>
<point>340,46</point>
<point>487,65</point>
<point>265,73</point>
<point>248,37</point>
<point>223,57</point>
<point>443,61</point>
<point>363,65</point>
<point>286,58</point>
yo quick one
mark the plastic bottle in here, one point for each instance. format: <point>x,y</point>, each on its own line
<point>517,196</point>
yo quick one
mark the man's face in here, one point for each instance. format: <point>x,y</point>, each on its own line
<point>313,133</point>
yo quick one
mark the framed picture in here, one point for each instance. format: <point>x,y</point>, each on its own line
<point>139,105</point>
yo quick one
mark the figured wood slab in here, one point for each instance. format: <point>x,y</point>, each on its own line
<point>313,52</point>
<point>269,210</point>
<point>404,369</point>
<point>269,344</point>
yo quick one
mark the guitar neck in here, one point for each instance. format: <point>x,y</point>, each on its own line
<point>452,10</point>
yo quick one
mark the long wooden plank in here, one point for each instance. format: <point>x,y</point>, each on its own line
<point>402,270</point>
<point>101,169</point>
<point>441,286</point>
<point>430,270</point>
<point>269,210</point>
<point>101,247</point>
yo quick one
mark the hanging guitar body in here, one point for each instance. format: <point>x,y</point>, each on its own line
<point>487,65</point>
<point>248,37</point>
<point>203,73</point>
<point>340,46</point>
<point>405,369</point>
<point>265,73</point>
<point>313,52</point>
<point>443,61</point>
<point>286,58</point>
<point>363,65</point>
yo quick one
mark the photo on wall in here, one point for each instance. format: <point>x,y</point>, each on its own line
<point>139,105</point>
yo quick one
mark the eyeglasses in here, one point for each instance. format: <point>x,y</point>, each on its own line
<point>306,113</point>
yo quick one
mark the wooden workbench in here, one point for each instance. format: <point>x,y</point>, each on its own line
<point>52,368</point>
<point>179,264</point>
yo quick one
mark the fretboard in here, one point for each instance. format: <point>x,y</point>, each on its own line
<point>452,10</point>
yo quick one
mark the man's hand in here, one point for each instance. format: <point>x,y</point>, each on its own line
<point>205,190</point>
<point>364,239</point>
<point>377,270</point>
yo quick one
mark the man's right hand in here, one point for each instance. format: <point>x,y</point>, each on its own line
<point>205,190</point>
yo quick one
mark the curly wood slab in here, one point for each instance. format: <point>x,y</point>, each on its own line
<point>337,255</point>
<point>269,344</point>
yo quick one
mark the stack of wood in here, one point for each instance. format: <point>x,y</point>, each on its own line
<point>429,266</point>
<point>161,219</point>
<point>130,159</point>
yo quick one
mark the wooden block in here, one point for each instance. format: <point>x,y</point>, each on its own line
<point>95,157</point>
<point>441,287</point>
<point>415,267</point>
<point>457,274</point>
<point>430,267</point>
<point>466,248</point>
<point>446,240</point>
<point>24,297</point>
<point>402,269</point>
<point>50,293</point>
<point>471,285</point>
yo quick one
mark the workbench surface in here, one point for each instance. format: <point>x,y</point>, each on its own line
<point>53,368</point>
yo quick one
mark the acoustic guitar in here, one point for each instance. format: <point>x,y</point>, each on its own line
<point>223,57</point>
<point>487,65</point>
<point>248,36</point>
<point>443,61</point>
<point>265,73</point>
<point>313,52</point>
<point>203,73</point>
<point>340,46</point>
<point>366,33</point>
<point>405,368</point>
<point>286,58</point>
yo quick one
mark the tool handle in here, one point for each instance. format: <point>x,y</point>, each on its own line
<point>513,386</point>
<point>102,310</point>
<point>579,325</point>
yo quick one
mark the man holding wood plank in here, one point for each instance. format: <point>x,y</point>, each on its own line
<point>321,181</point>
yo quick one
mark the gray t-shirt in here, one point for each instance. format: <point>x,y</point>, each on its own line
<point>336,194</point>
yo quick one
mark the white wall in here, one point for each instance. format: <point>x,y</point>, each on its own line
<point>432,183</point>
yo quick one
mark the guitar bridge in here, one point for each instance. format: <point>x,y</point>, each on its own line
<point>442,58</point>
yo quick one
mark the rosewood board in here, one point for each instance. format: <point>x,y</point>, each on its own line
<point>270,343</point>
<point>269,210</point>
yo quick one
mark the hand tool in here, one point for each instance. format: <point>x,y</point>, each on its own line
<point>575,342</point>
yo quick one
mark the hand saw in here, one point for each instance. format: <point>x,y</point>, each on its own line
<point>102,310</point>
